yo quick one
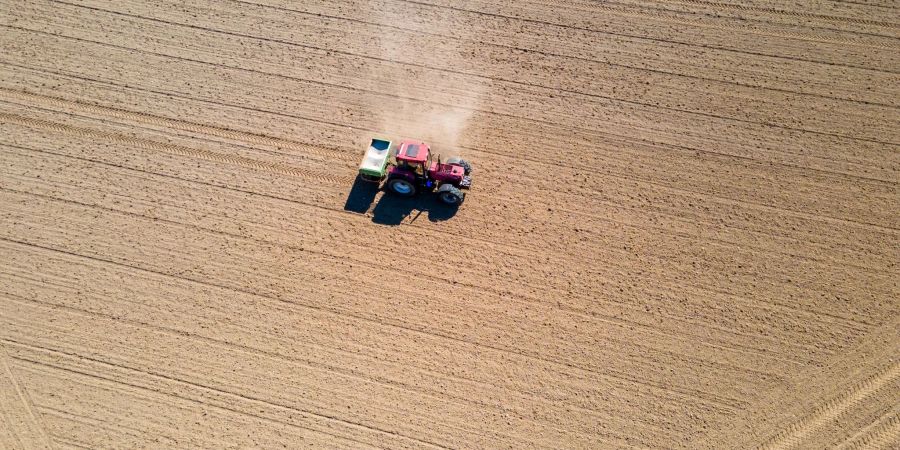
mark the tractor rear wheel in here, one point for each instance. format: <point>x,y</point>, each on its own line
<point>401,187</point>
<point>450,194</point>
<point>461,162</point>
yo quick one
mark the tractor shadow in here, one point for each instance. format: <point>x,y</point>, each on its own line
<point>361,196</point>
<point>393,210</point>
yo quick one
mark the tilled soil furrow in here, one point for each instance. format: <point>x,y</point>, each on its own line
<point>883,385</point>
<point>882,433</point>
<point>273,231</point>
<point>732,225</point>
<point>164,123</point>
<point>173,149</point>
<point>828,289</point>
<point>812,202</point>
<point>619,323</point>
<point>785,11</point>
<point>328,397</point>
<point>811,198</point>
<point>805,117</point>
<point>596,22</point>
<point>288,323</point>
<point>332,75</point>
<point>91,388</point>
<point>580,46</point>
<point>840,31</point>
<point>222,273</point>
<point>609,316</point>
<point>615,320</point>
<point>508,402</point>
<point>656,83</point>
<point>518,352</point>
<point>268,235</point>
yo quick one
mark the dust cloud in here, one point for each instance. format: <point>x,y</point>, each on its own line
<point>431,98</point>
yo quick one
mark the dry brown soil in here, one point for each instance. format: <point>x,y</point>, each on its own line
<point>684,230</point>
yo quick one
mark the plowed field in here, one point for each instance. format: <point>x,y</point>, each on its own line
<point>683,231</point>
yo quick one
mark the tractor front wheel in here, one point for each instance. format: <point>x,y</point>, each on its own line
<point>461,162</point>
<point>401,187</point>
<point>450,194</point>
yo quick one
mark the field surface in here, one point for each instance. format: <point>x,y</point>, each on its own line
<point>683,232</point>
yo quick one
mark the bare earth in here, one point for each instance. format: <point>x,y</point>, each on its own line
<point>684,228</point>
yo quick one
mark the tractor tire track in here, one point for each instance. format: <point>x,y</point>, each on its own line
<point>512,45</point>
<point>149,389</point>
<point>588,315</point>
<point>671,17</point>
<point>330,366</point>
<point>177,373</point>
<point>660,17</point>
<point>764,20</point>
<point>700,112</point>
<point>179,150</point>
<point>586,312</point>
<point>709,398</point>
<point>604,133</point>
<point>782,12</point>
<point>20,424</point>
<point>489,287</point>
<point>883,433</point>
<point>662,185</point>
<point>879,386</point>
<point>613,374</point>
<point>222,390</point>
<point>64,105</point>
<point>436,394</point>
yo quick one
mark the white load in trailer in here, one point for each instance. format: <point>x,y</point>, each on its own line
<point>374,163</point>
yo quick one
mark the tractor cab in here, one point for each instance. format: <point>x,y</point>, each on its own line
<point>415,157</point>
<point>412,156</point>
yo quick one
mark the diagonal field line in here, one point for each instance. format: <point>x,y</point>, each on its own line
<point>883,433</point>
<point>793,436</point>
<point>20,426</point>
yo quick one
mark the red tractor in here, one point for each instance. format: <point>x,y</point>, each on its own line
<point>414,171</point>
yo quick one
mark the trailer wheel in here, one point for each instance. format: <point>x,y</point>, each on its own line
<point>450,194</point>
<point>370,178</point>
<point>461,162</point>
<point>401,187</point>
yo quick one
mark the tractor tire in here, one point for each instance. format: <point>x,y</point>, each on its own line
<point>450,194</point>
<point>461,162</point>
<point>401,187</point>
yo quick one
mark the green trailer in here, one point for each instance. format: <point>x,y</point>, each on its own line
<point>374,164</point>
